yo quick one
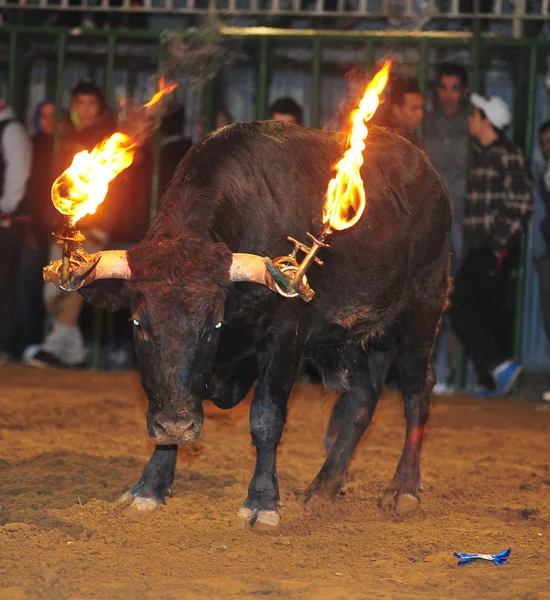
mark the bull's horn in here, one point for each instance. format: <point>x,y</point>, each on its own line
<point>85,268</point>
<point>113,264</point>
<point>248,267</point>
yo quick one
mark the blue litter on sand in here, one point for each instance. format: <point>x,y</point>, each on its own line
<point>498,559</point>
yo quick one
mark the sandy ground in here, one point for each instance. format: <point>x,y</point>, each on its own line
<point>71,443</point>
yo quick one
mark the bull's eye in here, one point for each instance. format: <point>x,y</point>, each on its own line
<point>218,325</point>
<point>136,323</point>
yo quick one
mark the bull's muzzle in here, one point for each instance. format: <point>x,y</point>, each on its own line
<point>165,429</point>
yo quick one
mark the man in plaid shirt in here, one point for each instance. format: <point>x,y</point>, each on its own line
<point>498,205</point>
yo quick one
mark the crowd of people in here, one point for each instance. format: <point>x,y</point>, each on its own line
<point>464,137</point>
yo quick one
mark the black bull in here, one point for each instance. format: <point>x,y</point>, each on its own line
<point>378,300</point>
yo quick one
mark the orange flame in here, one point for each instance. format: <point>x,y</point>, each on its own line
<point>81,188</point>
<point>345,200</point>
<point>163,90</point>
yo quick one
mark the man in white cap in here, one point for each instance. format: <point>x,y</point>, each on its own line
<point>499,202</point>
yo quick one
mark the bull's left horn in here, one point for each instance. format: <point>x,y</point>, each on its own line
<point>248,267</point>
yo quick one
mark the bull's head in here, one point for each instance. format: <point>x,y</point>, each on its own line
<point>176,293</point>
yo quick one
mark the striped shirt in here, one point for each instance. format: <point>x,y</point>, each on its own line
<point>499,198</point>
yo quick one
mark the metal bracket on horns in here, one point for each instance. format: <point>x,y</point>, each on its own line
<point>288,276</point>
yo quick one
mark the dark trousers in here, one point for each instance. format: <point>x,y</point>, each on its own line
<point>11,243</point>
<point>482,309</point>
<point>30,311</point>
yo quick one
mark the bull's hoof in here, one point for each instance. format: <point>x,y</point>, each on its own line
<point>401,501</point>
<point>143,500</point>
<point>326,488</point>
<point>260,519</point>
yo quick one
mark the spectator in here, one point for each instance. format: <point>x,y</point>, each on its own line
<point>446,141</point>
<point>286,109</point>
<point>174,146</point>
<point>543,263</point>
<point>91,123</point>
<point>498,203</point>
<point>41,213</point>
<point>15,165</point>
<point>405,109</point>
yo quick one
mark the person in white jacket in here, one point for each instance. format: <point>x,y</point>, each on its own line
<point>15,166</point>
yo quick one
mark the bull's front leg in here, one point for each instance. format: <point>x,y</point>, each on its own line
<point>156,480</point>
<point>278,366</point>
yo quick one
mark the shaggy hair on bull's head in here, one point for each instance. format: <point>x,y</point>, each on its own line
<point>184,272</point>
<point>177,261</point>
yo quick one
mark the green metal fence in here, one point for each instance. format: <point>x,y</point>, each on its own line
<point>523,58</point>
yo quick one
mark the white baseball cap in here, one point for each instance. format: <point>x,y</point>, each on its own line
<point>495,109</point>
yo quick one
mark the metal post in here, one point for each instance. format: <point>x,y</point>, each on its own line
<point>12,68</point>
<point>527,147</point>
<point>370,54</point>
<point>316,84</point>
<point>155,176</point>
<point>210,108</point>
<point>477,85</point>
<point>59,85</point>
<point>423,73</point>
<point>110,70</point>
<point>262,84</point>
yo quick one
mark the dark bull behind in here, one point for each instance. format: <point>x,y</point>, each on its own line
<point>199,335</point>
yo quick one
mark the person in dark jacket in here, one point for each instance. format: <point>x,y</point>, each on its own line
<point>499,202</point>
<point>15,165</point>
<point>41,214</point>
<point>543,263</point>
<point>405,109</point>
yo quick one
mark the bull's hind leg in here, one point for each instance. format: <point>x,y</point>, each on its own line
<point>156,480</point>
<point>417,380</point>
<point>278,365</point>
<point>351,416</point>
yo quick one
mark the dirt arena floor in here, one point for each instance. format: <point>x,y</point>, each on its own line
<point>71,443</point>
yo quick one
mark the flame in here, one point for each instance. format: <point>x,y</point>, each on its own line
<point>345,199</point>
<point>163,90</point>
<point>81,188</point>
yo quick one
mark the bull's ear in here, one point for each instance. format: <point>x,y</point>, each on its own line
<point>108,294</point>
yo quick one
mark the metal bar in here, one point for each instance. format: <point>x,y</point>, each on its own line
<point>96,338</point>
<point>59,85</point>
<point>528,147</point>
<point>459,358</point>
<point>316,84</point>
<point>155,178</point>
<point>209,106</point>
<point>370,54</point>
<point>110,71</point>
<point>12,68</point>
<point>263,81</point>
<point>423,73</point>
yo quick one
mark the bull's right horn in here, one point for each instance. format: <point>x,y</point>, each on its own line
<point>85,268</point>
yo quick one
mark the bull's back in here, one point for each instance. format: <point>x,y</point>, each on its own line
<point>272,178</point>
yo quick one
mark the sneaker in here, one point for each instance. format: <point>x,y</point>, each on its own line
<point>44,360</point>
<point>443,389</point>
<point>505,376</point>
<point>546,396</point>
